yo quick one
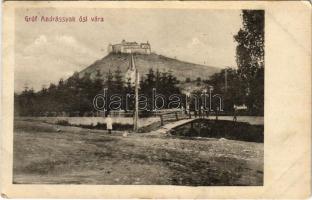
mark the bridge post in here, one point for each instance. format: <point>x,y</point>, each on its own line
<point>161,120</point>
<point>176,115</point>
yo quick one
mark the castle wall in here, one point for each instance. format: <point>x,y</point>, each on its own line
<point>133,47</point>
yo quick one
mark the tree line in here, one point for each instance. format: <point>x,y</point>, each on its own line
<point>245,85</point>
<point>74,96</point>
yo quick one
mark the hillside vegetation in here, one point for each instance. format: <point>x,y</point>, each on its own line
<point>180,69</point>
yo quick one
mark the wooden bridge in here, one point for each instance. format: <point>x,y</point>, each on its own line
<point>182,115</point>
<point>172,120</point>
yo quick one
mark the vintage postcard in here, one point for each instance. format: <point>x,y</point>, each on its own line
<point>156,99</point>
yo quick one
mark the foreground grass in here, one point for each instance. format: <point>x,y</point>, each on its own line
<point>82,156</point>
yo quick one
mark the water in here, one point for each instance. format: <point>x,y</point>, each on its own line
<point>220,129</point>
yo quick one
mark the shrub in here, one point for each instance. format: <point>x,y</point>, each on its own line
<point>62,122</point>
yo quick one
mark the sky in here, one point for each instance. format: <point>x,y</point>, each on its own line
<point>48,51</point>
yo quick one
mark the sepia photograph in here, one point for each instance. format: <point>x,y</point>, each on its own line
<point>156,100</point>
<point>139,97</point>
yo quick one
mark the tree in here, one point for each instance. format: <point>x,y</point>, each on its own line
<point>118,83</point>
<point>98,82</point>
<point>250,59</point>
<point>164,83</point>
<point>150,78</point>
<point>233,94</point>
<point>198,81</point>
<point>109,78</point>
<point>26,102</point>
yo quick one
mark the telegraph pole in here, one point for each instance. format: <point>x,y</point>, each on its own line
<point>225,80</point>
<point>136,111</point>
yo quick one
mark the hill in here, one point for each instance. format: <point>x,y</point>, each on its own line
<point>144,62</point>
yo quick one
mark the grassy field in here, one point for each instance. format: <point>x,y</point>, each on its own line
<point>42,155</point>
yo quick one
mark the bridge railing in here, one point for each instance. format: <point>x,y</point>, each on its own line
<point>173,116</point>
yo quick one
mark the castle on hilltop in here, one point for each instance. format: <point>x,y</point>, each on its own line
<point>130,47</point>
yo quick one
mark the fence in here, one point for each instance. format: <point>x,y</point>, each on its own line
<point>178,115</point>
<point>112,113</point>
<point>173,116</point>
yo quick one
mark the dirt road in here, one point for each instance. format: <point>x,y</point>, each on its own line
<point>42,154</point>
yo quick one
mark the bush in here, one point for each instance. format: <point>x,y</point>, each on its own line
<point>63,122</point>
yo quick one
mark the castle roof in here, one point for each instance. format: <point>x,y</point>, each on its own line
<point>124,42</point>
<point>130,43</point>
